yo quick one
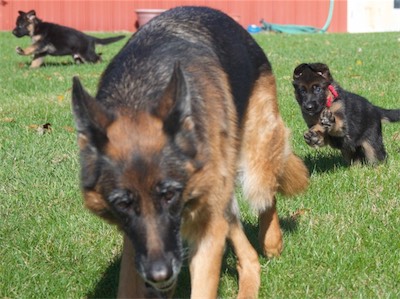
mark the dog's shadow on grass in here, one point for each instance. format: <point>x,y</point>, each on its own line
<point>107,286</point>
<point>322,163</point>
<point>49,64</point>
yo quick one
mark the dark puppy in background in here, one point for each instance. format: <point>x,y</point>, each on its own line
<point>179,112</point>
<point>339,118</point>
<point>56,40</point>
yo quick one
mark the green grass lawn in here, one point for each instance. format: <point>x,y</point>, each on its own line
<point>342,237</point>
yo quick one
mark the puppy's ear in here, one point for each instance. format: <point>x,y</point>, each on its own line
<point>322,70</point>
<point>298,71</point>
<point>91,117</point>
<point>31,15</point>
<point>21,13</point>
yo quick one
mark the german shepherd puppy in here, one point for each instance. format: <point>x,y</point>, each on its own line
<point>178,113</point>
<point>339,118</point>
<point>56,40</point>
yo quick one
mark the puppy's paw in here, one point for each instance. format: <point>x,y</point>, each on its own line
<point>19,51</point>
<point>327,119</point>
<point>314,139</point>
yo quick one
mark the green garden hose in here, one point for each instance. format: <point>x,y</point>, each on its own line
<point>299,28</point>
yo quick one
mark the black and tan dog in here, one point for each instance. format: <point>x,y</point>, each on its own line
<point>339,118</point>
<point>56,40</point>
<point>179,112</point>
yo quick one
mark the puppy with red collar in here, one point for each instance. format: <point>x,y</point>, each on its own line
<point>339,118</point>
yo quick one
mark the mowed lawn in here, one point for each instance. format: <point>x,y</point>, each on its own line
<point>342,237</point>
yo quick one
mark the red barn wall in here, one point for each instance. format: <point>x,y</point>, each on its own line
<point>119,15</point>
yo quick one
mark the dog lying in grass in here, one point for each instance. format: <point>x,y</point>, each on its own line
<point>56,40</point>
<point>339,118</point>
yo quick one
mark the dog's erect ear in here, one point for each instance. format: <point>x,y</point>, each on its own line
<point>175,105</point>
<point>91,118</point>
<point>175,110</point>
<point>21,13</point>
<point>31,15</point>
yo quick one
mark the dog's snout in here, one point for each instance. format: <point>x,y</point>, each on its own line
<point>161,275</point>
<point>159,271</point>
<point>17,32</point>
<point>310,106</point>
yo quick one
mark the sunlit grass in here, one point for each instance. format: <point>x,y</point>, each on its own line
<point>341,237</point>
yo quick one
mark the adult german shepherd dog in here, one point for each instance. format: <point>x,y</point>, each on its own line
<point>188,103</point>
<point>339,118</point>
<point>56,40</point>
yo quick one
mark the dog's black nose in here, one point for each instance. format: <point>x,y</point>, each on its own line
<point>310,106</point>
<point>159,271</point>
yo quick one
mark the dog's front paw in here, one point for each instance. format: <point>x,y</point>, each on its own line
<point>19,50</point>
<point>327,119</point>
<point>314,139</point>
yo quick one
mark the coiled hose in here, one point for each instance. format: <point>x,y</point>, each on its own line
<point>299,28</point>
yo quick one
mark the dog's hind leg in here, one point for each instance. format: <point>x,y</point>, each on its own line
<point>373,147</point>
<point>90,54</point>
<point>248,266</point>
<point>269,234</point>
<point>263,154</point>
<point>373,155</point>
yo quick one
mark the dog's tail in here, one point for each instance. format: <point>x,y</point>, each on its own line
<point>295,176</point>
<point>108,40</point>
<point>390,115</point>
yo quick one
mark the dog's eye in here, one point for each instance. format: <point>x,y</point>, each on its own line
<point>124,204</point>
<point>303,91</point>
<point>169,200</point>
<point>168,192</point>
<point>122,200</point>
<point>317,89</point>
<point>168,196</point>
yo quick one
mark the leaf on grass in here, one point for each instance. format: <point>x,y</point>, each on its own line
<point>69,129</point>
<point>396,136</point>
<point>46,128</point>
<point>60,98</point>
<point>299,213</point>
<point>41,129</point>
<point>59,159</point>
<point>359,62</point>
<point>8,120</point>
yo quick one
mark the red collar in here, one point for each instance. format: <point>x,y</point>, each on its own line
<point>335,95</point>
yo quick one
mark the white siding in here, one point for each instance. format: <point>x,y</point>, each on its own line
<point>372,16</point>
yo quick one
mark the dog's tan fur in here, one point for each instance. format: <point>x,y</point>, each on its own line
<point>257,150</point>
<point>267,167</point>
